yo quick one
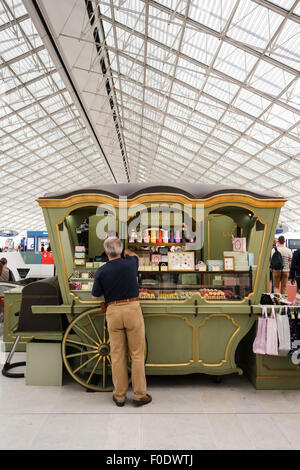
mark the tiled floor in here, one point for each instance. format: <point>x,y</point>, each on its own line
<point>187,412</point>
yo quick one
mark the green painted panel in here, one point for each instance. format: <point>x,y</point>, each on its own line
<point>215,335</point>
<point>169,339</point>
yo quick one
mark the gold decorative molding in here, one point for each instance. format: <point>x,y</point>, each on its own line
<point>262,248</point>
<point>223,361</point>
<point>161,197</point>
<point>191,361</point>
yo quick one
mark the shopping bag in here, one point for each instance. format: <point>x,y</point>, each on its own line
<point>296,300</point>
<point>294,331</point>
<point>272,335</point>
<point>284,335</point>
<point>260,342</point>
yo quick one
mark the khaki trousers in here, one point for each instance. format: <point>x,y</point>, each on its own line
<point>125,322</point>
<point>280,277</point>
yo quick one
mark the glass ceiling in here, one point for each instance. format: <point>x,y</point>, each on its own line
<point>43,138</point>
<point>205,91</point>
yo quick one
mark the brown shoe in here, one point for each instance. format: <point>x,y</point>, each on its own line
<point>118,403</point>
<point>143,401</point>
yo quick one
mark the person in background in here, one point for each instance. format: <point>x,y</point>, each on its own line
<point>280,277</point>
<point>117,282</point>
<point>271,273</point>
<point>295,269</point>
<point>49,247</point>
<point>6,274</point>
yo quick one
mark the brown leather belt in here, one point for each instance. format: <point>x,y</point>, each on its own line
<point>124,301</point>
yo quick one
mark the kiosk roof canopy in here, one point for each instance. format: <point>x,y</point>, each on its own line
<point>191,190</point>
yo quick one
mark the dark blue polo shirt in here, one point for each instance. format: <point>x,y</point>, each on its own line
<point>117,279</point>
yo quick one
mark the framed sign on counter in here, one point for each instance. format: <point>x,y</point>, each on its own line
<point>181,261</point>
<point>228,263</point>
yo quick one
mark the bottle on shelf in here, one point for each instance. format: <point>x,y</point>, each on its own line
<point>165,236</point>
<point>159,236</point>
<point>153,236</point>
<point>171,239</point>
<point>146,236</point>
<point>177,236</point>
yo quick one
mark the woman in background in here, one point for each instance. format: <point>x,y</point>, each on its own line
<point>6,274</point>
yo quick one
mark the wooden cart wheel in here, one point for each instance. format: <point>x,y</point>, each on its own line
<point>86,351</point>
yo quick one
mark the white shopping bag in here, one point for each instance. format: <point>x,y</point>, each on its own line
<point>260,342</point>
<point>272,336</point>
<point>284,334</point>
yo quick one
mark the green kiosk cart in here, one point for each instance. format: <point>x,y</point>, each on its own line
<point>204,255</point>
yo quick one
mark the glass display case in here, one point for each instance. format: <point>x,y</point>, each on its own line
<point>216,256</point>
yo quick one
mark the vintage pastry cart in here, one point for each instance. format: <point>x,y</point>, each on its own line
<point>197,293</point>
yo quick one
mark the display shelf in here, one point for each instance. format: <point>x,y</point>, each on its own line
<point>156,244</point>
<point>196,272</point>
<point>80,290</point>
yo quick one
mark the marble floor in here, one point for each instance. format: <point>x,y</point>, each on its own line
<point>187,412</point>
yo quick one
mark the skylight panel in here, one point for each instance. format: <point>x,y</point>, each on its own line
<point>274,159</point>
<point>287,46</point>
<point>234,62</point>
<point>226,136</point>
<point>251,103</point>
<point>254,25</point>
<point>221,89</point>
<point>131,13</point>
<point>248,146</point>
<point>270,79</point>
<point>263,133</point>
<point>210,108</point>
<point>189,73</point>
<point>162,30</point>
<point>280,117</point>
<point>199,45</point>
<point>292,167</point>
<point>289,146</point>
<point>212,14</point>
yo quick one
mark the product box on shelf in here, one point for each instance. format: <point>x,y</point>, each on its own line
<point>79,262</point>
<point>80,249</point>
<point>189,279</point>
<point>239,244</point>
<point>230,281</point>
<point>79,255</point>
<point>215,265</point>
<point>240,260</point>
<point>89,264</point>
<point>218,281</point>
<point>250,259</point>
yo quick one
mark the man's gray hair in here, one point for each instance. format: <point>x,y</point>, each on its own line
<point>113,247</point>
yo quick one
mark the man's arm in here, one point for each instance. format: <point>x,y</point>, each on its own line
<point>129,253</point>
<point>97,291</point>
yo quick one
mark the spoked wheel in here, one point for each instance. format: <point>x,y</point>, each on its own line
<point>86,351</point>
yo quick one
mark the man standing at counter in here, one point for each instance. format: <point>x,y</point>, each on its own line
<point>117,282</point>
